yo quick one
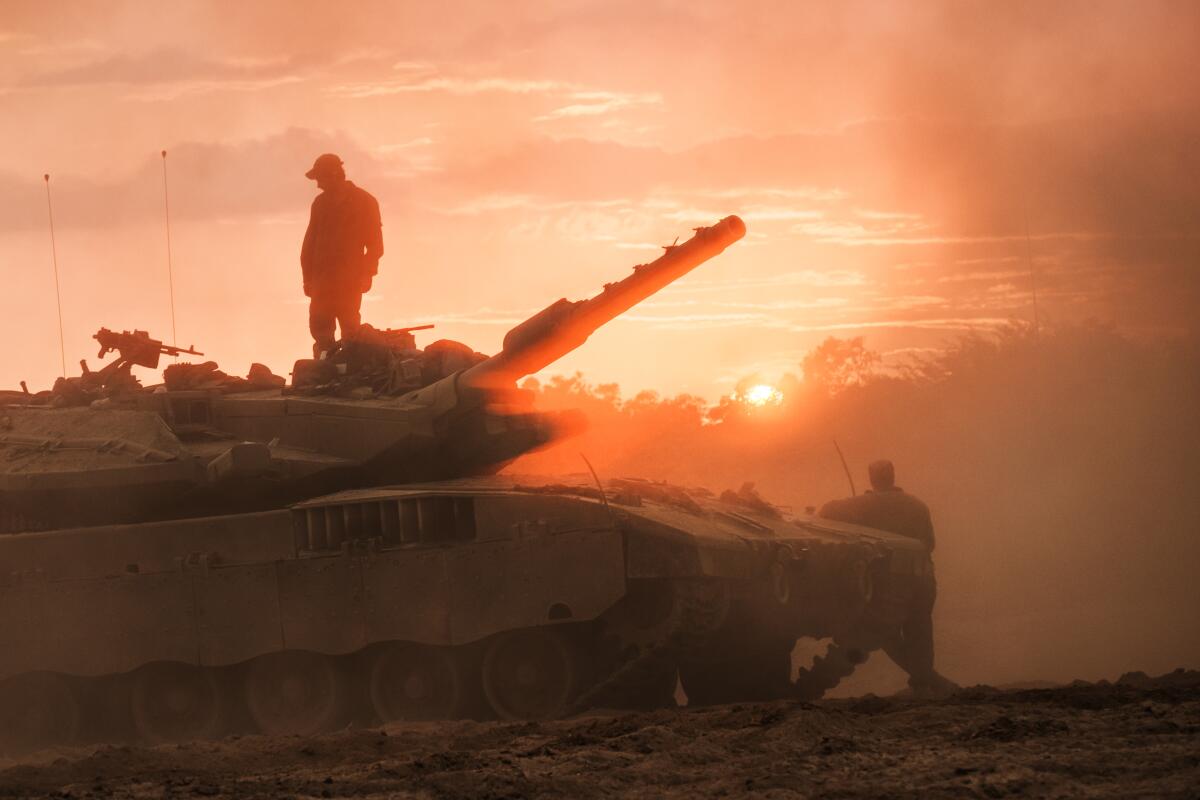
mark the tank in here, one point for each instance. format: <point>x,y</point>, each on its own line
<point>217,555</point>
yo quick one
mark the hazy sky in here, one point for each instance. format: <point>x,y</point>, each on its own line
<point>888,159</point>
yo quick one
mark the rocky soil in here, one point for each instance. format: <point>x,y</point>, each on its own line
<point>1139,737</point>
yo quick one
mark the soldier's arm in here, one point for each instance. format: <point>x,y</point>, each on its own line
<point>374,235</point>
<point>835,509</point>
<point>927,528</point>
<point>306,249</point>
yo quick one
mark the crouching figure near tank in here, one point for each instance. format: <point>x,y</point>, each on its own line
<point>888,507</point>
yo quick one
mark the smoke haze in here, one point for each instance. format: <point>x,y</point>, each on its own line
<point>1059,467</point>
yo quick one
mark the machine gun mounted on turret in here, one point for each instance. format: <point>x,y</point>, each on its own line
<point>134,348</point>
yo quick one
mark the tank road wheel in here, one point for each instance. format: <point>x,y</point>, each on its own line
<point>295,692</point>
<point>530,674</point>
<point>174,702</point>
<point>37,710</point>
<point>416,682</point>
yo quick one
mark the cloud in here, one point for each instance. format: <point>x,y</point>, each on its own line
<point>773,305</point>
<point>772,193</point>
<point>981,275</point>
<point>488,203</point>
<point>875,230</point>
<point>838,191</point>
<point>1099,201</point>
<point>258,179</point>
<point>933,323</point>
<point>176,89</point>
<point>164,68</point>
<point>423,141</point>
<point>806,277</point>
<point>170,73</point>
<point>886,215</point>
<point>680,322</point>
<point>410,158</point>
<point>592,104</point>
<point>973,181</point>
<point>448,85</point>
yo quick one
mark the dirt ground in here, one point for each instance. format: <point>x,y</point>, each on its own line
<point>1139,737</point>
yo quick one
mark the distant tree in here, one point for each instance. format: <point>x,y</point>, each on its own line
<point>837,364</point>
<point>728,408</point>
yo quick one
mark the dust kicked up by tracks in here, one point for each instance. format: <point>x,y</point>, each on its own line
<point>1137,737</point>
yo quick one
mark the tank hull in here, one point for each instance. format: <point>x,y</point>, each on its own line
<point>473,575</point>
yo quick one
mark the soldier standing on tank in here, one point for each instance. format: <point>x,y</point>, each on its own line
<point>340,254</point>
<point>887,507</point>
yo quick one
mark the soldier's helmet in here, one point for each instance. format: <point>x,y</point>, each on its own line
<point>326,164</point>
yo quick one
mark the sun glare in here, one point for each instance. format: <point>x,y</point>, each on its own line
<point>763,394</point>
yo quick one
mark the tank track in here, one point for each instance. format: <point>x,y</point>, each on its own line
<point>699,609</point>
<point>699,612</point>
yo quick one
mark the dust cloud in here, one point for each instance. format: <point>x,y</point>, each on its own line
<point>1060,466</point>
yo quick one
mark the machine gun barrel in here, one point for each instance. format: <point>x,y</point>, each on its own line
<point>172,350</point>
<point>564,325</point>
<point>408,329</point>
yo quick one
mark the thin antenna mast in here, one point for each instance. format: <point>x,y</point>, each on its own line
<point>170,271</point>
<point>1037,326</point>
<point>62,347</point>
<point>603,496</point>
<point>846,467</point>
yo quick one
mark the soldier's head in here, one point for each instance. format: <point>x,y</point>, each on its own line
<point>883,475</point>
<point>327,171</point>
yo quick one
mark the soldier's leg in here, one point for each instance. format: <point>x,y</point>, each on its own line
<point>897,650</point>
<point>322,319</point>
<point>918,638</point>
<point>349,312</point>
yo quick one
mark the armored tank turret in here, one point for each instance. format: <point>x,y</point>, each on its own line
<point>99,449</point>
<point>219,554</point>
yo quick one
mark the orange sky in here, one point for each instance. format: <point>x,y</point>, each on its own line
<point>885,157</point>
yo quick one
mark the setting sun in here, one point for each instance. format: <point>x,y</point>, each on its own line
<point>763,394</point>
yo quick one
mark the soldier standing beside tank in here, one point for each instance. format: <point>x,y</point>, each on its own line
<point>340,254</point>
<point>887,507</point>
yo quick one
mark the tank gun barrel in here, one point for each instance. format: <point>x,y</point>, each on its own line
<point>564,325</point>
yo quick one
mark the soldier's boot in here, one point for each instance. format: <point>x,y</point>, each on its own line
<point>932,685</point>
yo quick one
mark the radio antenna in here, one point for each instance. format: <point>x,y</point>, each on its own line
<point>170,271</point>
<point>62,347</point>
<point>846,467</point>
<point>596,478</point>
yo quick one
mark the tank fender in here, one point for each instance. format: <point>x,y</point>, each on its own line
<point>654,550</point>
